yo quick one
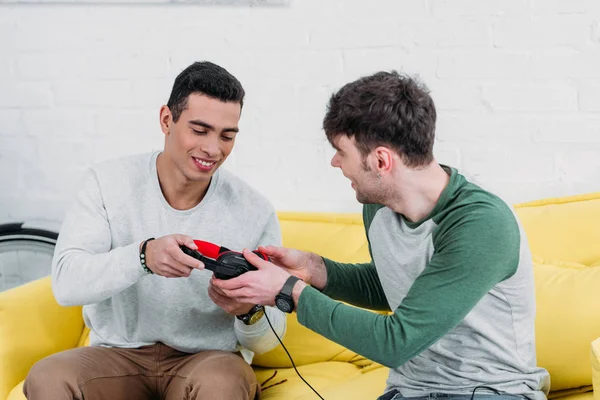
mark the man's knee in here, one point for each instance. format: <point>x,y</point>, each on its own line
<point>223,376</point>
<point>54,374</point>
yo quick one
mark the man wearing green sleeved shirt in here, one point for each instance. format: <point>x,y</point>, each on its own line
<point>447,257</point>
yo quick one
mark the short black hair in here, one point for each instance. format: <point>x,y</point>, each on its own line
<point>206,78</point>
<point>385,108</point>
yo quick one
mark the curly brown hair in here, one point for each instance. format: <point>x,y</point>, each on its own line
<point>387,109</point>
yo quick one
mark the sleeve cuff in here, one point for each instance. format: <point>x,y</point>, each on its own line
<point>262,327</point>
<point>258,337</point>
<point>259,327</point>
<point>132,255</point>
<point>308,296</point>
<point>331,277</point>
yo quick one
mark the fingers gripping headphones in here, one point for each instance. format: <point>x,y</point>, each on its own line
<point>225,263</point>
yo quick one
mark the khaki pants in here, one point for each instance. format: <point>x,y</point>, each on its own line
<point>154,372</point>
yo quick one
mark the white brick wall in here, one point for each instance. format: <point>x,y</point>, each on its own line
<point>516,82</point>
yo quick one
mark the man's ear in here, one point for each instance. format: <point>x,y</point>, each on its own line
<point>166,119</point>
<point>384,157</point>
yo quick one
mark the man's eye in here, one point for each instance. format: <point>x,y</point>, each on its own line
<point>227,138</point>
<point>198,132</point>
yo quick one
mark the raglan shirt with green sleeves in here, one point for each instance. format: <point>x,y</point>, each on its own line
<point>460,283</point>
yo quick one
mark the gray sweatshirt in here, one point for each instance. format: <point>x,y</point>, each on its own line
<point>96,261</point>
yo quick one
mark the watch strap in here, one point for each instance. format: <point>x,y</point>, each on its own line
<point>245,318</point>
<point>288,286</point>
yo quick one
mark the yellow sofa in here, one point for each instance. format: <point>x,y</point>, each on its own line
<point>564,235</point>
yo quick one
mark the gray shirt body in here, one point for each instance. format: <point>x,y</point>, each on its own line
<point>96,262</point>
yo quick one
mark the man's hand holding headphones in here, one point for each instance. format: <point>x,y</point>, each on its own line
<point>265,284</point>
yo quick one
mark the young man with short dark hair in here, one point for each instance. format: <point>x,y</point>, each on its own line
<point>158,328</point>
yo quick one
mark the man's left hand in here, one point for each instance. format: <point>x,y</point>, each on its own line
<point>254,287</point>
<point>231,306</point>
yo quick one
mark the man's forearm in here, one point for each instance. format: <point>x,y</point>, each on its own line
<point>318,272</point>
<point>80,278</point>
<point>357,284</point>
<point>297,291</point>
<point>85,269</point>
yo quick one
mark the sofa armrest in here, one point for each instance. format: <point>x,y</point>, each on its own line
<point>596,368</point>
<point>33,326</point>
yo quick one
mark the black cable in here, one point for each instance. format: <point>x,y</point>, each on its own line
<point>485,387</point>
<point>286,351</point>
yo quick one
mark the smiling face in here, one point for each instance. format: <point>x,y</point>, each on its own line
<point>356,168</point>
<point>202,138</point>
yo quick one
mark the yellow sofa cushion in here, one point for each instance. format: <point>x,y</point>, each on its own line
<point>369,385</point>
<point>595,358</point>
<point>564,228</point>
<point>17,393</point>
<point>577,396</point>
<point>84,340</point>
<point>320,376</point>
<point>337,236</point>
<point>580,392</point>
<point>33,326</point>
<point>567,320</point>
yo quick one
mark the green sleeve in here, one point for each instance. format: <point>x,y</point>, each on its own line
<point>472,255</point>
<point>357,284</point>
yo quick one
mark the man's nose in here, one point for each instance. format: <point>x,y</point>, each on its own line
<point>334,162</point>
<point>210,146</point>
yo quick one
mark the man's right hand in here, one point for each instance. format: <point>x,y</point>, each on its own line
<point>307,266</point>
<point>165,258</point>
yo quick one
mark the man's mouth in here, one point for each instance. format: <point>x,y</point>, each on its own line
<point>204,165</point>
<point>202,162</point>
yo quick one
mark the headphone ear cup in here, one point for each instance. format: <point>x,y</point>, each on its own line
<point>261,255</point>
<point>227,254</point>
<point>232,253</point>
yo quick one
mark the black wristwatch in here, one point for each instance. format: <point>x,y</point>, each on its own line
<point>284,300</point>
<point>252,316</point>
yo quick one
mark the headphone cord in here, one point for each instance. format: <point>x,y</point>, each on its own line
<point>290,357</point>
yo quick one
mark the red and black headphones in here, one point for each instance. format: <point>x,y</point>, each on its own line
<point>225,263</point>
<point>215,251</point>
